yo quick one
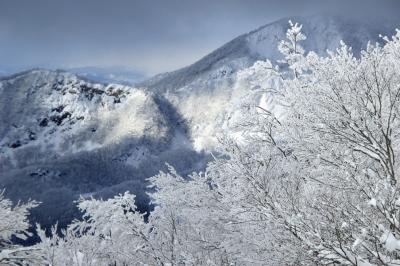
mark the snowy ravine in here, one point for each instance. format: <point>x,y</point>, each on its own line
<point>62,136</point>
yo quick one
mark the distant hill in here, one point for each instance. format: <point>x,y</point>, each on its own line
<point>120,75</point>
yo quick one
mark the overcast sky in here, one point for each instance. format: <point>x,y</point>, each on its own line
<point>148,35</point>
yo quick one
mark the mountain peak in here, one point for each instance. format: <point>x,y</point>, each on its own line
<point>324,31</point>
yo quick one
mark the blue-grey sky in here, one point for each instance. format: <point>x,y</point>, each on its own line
<point>148,35</point>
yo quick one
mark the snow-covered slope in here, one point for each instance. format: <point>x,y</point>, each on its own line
<point>61,136</point>
<point>203,91</point>
<point>48,104</point>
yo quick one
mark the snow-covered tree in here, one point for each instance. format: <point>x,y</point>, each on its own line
<point>14,224</point>
<point>112,232</point>
<point>333,182</point>
<point>291,48</point>
<point>311,176</point>
<point>343,128</point>
<point>337,190</point>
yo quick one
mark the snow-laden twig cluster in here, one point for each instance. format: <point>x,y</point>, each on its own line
<point>14,223</point>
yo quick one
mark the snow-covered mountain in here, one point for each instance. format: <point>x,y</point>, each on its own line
<point>62,136</point>
<point>323,32</point>
<point>203,91</point>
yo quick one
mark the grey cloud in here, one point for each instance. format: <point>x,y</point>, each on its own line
<point>152,35</point>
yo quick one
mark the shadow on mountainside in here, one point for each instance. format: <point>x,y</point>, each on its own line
<point>101,173</point>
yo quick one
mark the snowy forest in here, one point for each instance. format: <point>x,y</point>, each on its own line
<point>309,175</point>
